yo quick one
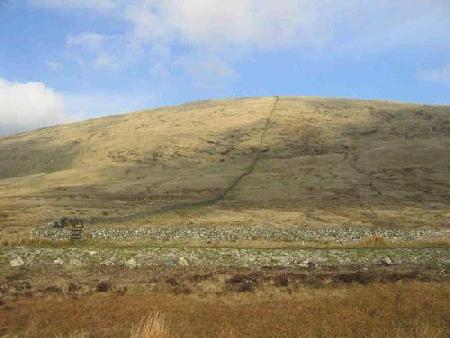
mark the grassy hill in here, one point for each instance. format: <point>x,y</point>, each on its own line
<point>289,160</point>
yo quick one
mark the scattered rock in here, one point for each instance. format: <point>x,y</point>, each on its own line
<point>58,261</point>
<point>109,261</point>
<point>386,261</point>
<point>16,262</point>
<point>183,261</point>
<point>92,253</point>
<point>131,263</point>
<point>222,257</point>
<point>169,263</point>
<point>75,262</point>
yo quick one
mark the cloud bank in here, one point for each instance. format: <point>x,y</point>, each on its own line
<point>207,38</point>
<point>29,105</point>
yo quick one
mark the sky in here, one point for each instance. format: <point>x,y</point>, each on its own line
<point>66,60</point>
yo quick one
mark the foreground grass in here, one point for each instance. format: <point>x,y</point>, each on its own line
<point>151,326</point>
<point>411,309</point>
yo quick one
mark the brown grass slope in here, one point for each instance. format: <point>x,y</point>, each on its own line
<point>306,160</point>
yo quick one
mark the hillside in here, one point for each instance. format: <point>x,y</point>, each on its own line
<point>292,160</point>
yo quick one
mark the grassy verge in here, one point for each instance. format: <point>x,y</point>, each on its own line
<point>372,242</point>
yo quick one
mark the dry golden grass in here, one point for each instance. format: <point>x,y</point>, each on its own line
<point>77,334</point>
<point>324,161</point>
<point>392,310</point>
<point>151,326</point>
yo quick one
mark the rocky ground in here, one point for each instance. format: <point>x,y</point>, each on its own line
<point>225,257</point>
<point>220,265</point>
<point>228,256</point>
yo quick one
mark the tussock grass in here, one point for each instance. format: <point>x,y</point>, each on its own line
<point>396,310</point>
<point>76,334</point>
<point>375,241</point>
<point>150,326</point>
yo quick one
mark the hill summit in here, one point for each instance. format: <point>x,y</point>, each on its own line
<point>303,160</point>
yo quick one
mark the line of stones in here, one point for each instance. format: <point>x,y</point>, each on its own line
<point>247,233</point>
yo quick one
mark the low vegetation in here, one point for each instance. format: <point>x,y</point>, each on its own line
<point>151,326</point>
<point>406,310</point>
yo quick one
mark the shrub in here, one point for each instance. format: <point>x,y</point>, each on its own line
<point>182,290</point>
<point>103,286</point>
<point>240,283</point>
<point>172,281</point>
<point>54,289</point>
<point>73,287</point>
<point>281,280</point>
<point>235,279</point>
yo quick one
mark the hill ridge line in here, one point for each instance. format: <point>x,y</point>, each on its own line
<point>210,201</point>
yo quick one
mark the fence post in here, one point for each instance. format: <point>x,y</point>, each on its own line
<point>77,231</point>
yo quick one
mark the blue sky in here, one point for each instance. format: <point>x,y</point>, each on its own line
<point>64,60</point>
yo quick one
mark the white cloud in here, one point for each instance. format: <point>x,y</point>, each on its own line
<point>88,40</point>
<point>440,75</point>
<point>274,24</point>
<point>262,24</point>
<point>99,50</point>
<point>235,29</point>
<point>29,105</point>
<point>217,24</point>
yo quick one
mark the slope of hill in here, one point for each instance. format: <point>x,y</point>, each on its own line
<point>289,160</point>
